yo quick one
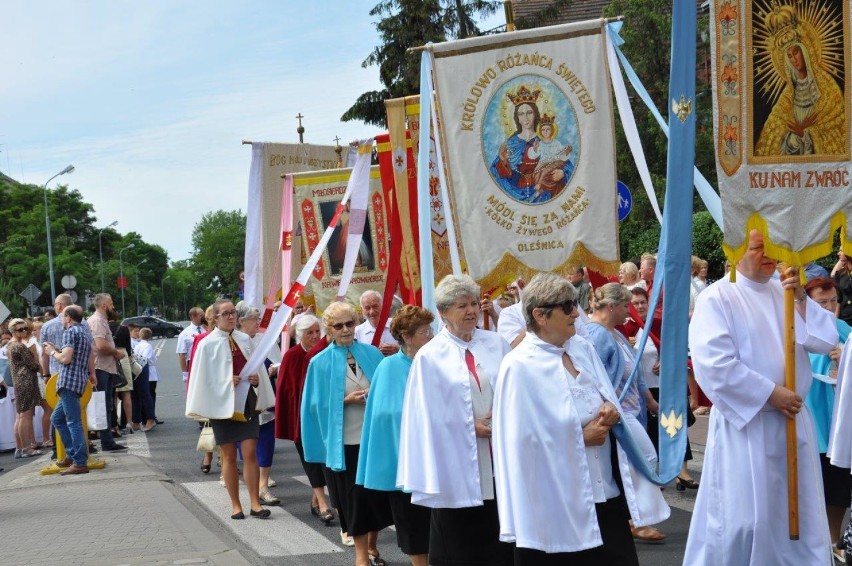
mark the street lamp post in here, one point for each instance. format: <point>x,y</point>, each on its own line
<point>163,291</point>
<point>121,274</point>
<point>69,169</point>
<point>137,284</point>
<point>101,252</point>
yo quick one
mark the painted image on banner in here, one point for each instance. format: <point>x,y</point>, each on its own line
<point>800,107</point>
<point>365,261</point>
<point>530,134</point>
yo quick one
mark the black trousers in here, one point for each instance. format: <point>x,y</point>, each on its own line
<point>618,548</point>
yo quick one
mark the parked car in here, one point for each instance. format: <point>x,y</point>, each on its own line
<point>159,328</point>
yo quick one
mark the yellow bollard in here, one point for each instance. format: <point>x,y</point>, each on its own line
<point>52,398</point>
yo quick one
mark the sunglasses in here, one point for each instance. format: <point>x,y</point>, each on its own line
<point>567,307</point>
<point>21,329</point>
<point>340,325</point>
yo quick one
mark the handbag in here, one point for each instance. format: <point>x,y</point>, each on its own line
<point>206,440</point>
<point>125,366</point>
<point>96,411</point>
<point>137,364</point>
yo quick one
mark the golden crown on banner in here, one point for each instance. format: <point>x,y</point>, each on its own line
<point>782,23</point>
<point>547,119</point>
<point>523,96</point>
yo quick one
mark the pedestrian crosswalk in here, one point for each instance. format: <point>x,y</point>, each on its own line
<point>282,535</point>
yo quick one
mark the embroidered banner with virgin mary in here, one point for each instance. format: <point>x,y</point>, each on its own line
<point>527,124</point>
<point>782,123</point>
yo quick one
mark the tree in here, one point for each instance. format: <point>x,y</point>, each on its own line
<point>218,243</point>
<point>648,22</point>
<point>409,23</point>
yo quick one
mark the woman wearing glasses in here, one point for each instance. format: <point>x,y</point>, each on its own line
<point>554,407</point>
<point>214,384</point>
<point>333,405</point>
<point>379,455</point>
<point>25,371</point>
<point>445,437</point>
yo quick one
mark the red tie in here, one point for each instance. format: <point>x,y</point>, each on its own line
<point>471,366</point>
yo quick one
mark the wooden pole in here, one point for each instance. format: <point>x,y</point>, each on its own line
<point>792,445</point>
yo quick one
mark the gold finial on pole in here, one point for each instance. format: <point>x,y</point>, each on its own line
<point>301,129</point>
<point>338,149</point>
<point>510,15</point>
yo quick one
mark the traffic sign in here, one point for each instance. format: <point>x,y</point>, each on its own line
<point>121,282</point>
<point>4,312</point>
<point>31,293</point>
<point>69,281</point>
<point>625,200</point>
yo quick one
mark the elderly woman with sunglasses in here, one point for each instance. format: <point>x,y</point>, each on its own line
<point>25,376</point>
<point>554,407</point>
<point>333,405</point>
<point>445,438</point>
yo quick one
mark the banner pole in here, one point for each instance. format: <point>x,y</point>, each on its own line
<point>792,445</point>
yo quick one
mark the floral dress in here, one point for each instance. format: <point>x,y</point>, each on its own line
<point>25,377</point>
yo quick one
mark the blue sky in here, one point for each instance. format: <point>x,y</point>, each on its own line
<point>150,100</point>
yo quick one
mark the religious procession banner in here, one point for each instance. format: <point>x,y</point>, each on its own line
<point>782,123</point>
<point>317,195</point>
<point>398,164</point>
<point>527,126</point>
<point>263,213</point>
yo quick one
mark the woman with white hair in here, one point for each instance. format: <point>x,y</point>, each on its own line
<point>248,321</point>
<point>554,407</point>
<point>332,412</point>
<point>445,438</point>
<point>288,400</point>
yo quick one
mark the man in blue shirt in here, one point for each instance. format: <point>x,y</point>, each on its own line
<point>73,355</point>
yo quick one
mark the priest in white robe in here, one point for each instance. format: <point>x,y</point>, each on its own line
<point>554,406</point>
<point>445,436</point>
<point>737,347</point>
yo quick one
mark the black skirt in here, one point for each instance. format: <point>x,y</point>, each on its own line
<point>618,548</point>
<point>361,510</point>
<point>469,536</point>
<point>227,431</point>
<point>314,471</point>
<point>412,523</point>
<point>836,483</point>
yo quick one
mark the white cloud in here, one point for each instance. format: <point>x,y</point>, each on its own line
<point>150,102</point>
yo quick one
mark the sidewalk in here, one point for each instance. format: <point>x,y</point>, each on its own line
<point>124,514</point>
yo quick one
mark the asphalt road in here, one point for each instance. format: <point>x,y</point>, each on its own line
<point>171,448</point>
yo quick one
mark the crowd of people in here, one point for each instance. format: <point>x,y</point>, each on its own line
<point>462,436</point>
<point>118,360</point>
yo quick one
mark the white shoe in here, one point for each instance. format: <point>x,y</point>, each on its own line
<point>222,481</point>
<point>271,483</point>
<point>346,540</point>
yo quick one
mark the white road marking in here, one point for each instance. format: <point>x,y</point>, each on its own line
<point>280,535</point>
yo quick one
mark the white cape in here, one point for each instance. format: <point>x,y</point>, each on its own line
<point>211,392</point>
<point>438,458</point>
<point>540,457</point>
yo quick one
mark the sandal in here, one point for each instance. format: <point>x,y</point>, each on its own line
<point>326,516</point>
<point>681,484</point>
<point>267,498</point>
<point>647,534</point>
<point>375,558</point>
<point>205,468</point>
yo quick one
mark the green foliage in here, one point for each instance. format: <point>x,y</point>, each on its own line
<point>411,23</point>
<point>218,243</point>
<point>707,243</point>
